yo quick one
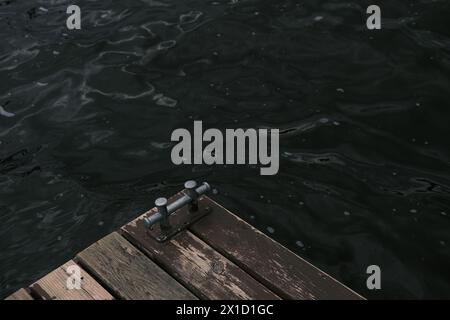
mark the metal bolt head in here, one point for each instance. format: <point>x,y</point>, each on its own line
<point>191,184</point>
<point>161,202</point>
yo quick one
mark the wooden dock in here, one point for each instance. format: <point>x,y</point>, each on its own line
<point>219,256</point>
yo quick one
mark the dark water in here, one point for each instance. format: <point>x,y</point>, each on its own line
<point>364,177</point>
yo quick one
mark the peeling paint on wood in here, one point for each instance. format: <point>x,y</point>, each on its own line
<point>281,270</point>
<point>220,256</point>
<point>195,264</point>
<point>128,273</point>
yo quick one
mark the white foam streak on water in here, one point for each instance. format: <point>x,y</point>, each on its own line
<point>5,113</point>
<point>17,58</point>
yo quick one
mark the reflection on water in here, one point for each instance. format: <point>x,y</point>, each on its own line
<point>86,117</point>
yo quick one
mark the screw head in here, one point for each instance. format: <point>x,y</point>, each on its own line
<point>191,184</point>
<point>161,202</point>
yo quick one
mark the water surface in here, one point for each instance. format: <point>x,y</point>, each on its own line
<point>86,118</point>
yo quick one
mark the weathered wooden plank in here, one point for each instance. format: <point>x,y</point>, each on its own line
<point>54,286</point>
<point>20,294</point>
<point>281,270</point>
<point>195,264</point>
<point>128,273</point>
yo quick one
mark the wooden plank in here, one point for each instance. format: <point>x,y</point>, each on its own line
<point>128,273</point>
<point>195,264</point>
<point>281,270</point>
<point>54,286</point>
<point>20,294</point>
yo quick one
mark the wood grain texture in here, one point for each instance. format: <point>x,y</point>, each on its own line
<point>128,273</point>
<point>54,286</point>
<point>195,264</point>
<point>20,294</point>
<point>281,270</point>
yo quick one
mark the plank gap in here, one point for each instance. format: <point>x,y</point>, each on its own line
<point>53,286</point>
<point>269,262</point>
<point>129,273</point>
<point>137,245</point>
<point>99,280</point>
